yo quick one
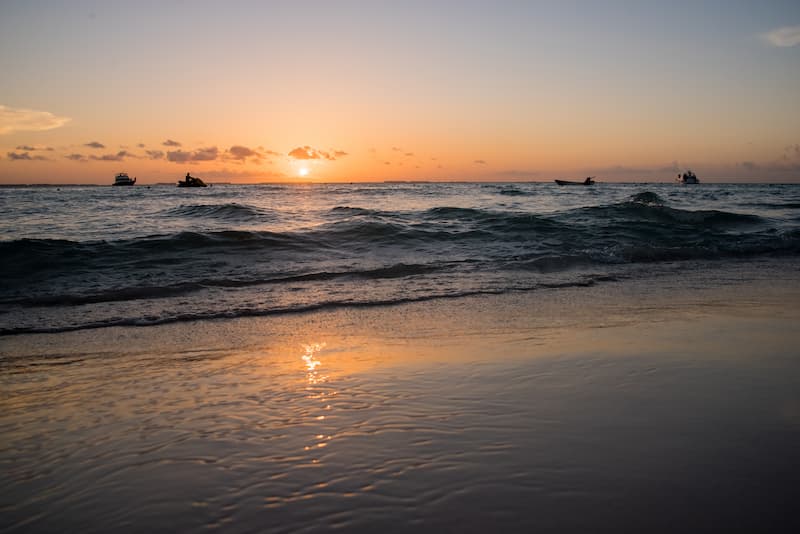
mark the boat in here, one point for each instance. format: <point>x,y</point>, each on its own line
<point>688,178</point>
<point>123,179</point>
<point>588,181</point>
<point>191,181</point>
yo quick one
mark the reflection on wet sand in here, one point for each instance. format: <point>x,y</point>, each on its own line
<point>312,363</point>
<point>315,379</point>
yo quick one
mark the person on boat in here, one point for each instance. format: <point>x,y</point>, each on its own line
<point>188,178</point>
<point>588,180</point>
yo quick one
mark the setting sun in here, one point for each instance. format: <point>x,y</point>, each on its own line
<point>303,171</point>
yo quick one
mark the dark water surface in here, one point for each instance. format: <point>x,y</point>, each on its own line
<point>83,257</point>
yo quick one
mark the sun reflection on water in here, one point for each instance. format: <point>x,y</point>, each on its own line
<point>311,350</point>
<point>315,391</point>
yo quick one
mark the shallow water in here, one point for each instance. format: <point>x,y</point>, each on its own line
<point>651,407</point>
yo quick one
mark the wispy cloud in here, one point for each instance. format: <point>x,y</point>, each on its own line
<point>32,148</point>
<point>784,37</point>
<point>170,142</point>
<point>18,119</point>
<point>479,162</point>
<point>95,144</point>
<point>25,156</point>
<point>307,152</point>
<point>119,156</point>
<point>155,154</point>
<point>201,154</point>
<point>240,154</point>
<point>76,157</point>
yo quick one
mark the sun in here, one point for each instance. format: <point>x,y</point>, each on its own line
<point>302,171</point>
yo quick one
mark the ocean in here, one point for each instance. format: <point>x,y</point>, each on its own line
<point>80,257</point>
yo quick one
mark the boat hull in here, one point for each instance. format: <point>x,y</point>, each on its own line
<point>567,182</point>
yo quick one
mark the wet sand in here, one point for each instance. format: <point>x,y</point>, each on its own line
<point>661,405</point>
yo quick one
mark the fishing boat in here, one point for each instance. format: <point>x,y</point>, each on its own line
<point>123,179</point>
<point>191,181</point>
<point>588,181</point>
<point>688,178</point>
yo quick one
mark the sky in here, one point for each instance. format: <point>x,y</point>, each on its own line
<point>270,91</point>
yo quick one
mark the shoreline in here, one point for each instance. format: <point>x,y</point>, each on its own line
<point>703,275</point>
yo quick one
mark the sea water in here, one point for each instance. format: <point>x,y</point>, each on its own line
<point>87,257</point>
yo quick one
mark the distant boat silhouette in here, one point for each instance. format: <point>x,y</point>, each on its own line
<point>123,179</point>
<point>191,181</point>
<point>688,178</point>
<point>588,181</point>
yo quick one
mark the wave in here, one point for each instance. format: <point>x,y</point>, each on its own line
<point>298,308</point>
<point>226,212</point>
<point>512,191</point>
<point>775,205</point>
<point>648,198</point>
<point>29,256</point>
<point>650,208</point>
<point>145,292</point>
<point>435,233</point>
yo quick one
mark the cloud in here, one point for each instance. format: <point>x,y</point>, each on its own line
<point>14,120</point>
<point>141,145</point>
<point>479,162</point>
<point>119,156</point>
<point>25,156</point>
<point>155,154</point>
<point>170,142</point>
<point>307,152</point>
<point>179,156</point>
<point>76,157</point>
<point>783,37</point>
<point>29,148</point>
<point>241,153</point>
<point>95,144</point>
<point>201,154</point>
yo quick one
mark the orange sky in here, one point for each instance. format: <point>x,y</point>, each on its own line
<point>418,91</point>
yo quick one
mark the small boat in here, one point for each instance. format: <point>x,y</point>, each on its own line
<point>688,178</point>
<point>123,179</point>
<point>191,181</point>
<point>588,181</point>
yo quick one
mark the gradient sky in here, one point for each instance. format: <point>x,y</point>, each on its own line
<point>431,90</point>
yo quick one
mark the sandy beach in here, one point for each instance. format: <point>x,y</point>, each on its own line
<point>660,405</point>
<point>399,267</point>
